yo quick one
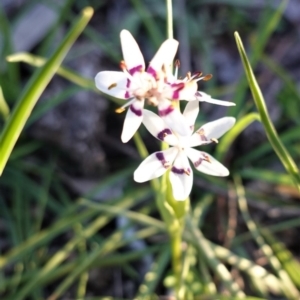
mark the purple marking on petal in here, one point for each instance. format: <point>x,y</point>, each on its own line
<point>137,112</point>
<point>178,87</point>
<point>165,112</point>
<point>160,156</point>
<point>127,95</point>
<point>198,162</point>
<point>161,135</point>
<point>133,70</point>
<point>152,72</point>
<point>181,171</point>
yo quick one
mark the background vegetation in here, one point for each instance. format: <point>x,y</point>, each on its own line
<point>74,224</point>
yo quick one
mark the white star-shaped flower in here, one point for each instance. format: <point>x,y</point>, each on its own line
<point>187,88</point>
<point>176,157</point>
<point>136,84</point>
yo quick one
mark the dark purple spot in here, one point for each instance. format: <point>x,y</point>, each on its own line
<point>137,112</point>
<point>161,135</point>
<point>152,72</point>
<point>165,112</point>
<point>177,171</point>
<point>178,87</point>
<point>133,70</point>
<point>198,162</point>
<point>127,95</point>
<point>160,156</point>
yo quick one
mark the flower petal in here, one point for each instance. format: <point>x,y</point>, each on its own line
<point>181,177</point>
<point>164,56</point>
<point>131,52</point>
<point>173,117</point>
<point>210,131</point>
<point>191,113</point>
<point>203,97</point>
<point>205,163</point>
<point>156,126</point>
<point>155,165</point>
<point>133,120</point>
<point>112,83</point>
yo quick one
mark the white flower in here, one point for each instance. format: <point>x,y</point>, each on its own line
<point>135,84</point>
<point>187,88</point>
<point>176,157</point>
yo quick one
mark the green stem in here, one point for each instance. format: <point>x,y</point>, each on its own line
<point>169,19</point>
<point>270,130</point>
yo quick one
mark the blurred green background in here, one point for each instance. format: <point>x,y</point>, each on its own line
<point>65,231</point>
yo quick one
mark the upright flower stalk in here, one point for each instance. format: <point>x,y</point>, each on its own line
<point>156,85</point>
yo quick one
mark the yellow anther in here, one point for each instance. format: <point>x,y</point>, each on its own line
<point>119,110</point>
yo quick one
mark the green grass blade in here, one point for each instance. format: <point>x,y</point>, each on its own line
<point>35,88</point>
<point>4,109</point>
<point>270,130</point>
<point>228,139</point>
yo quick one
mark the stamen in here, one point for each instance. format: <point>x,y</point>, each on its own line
<point>207,77</point>
<point>214,140</point>
<point>119,110</point>
<point>188,75</point>
<point>202,134</point>
<point>113,85</point>
<point>197,74</point>
<point>187,171</point>
<point>123,65</point>
<point>177,63</point>
<point>166,165</point>
<point>206,158</point>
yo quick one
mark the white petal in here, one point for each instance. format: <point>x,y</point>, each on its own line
<point>203,97</point>
<point>112,83</point>
<point>191,113</point>
<point>211,130</point>
<point>173,118</point>
<point>156,126</point>
<point>205,163</point>
<point>155,165</point>
<point>133,120</point>
<point>164,56</point>
<point>131,52</point>
<point>181,177</point>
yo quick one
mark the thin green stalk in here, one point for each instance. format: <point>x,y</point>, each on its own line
<point>288,286</point>
<point>38,61</point>
<point>169,19</point>
<point>35,88</point>
<point>270,130</point>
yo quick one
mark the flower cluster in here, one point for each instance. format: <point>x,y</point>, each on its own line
<point>159,87</point>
